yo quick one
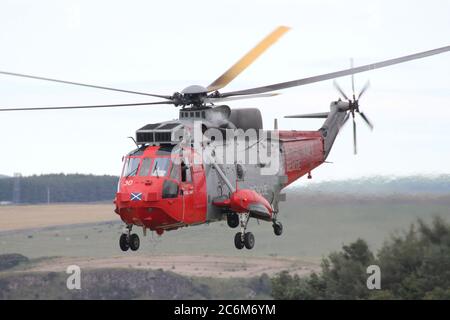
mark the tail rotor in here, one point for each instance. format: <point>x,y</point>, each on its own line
<point>354,106</point>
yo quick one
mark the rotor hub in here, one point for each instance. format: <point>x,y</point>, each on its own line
<point>194,95</point>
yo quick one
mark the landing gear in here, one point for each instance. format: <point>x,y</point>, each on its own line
<point>244,239</point>
<point>277,228</point>
<point>128,240</point>
<point>123,242</point>
<point>249,240</point>
<point>232,220</point>
<point>134,242</point>
<point>238,243</point>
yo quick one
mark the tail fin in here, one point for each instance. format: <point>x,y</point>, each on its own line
<point>335,118</point>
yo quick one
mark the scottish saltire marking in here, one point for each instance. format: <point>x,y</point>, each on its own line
<point>136,196</point>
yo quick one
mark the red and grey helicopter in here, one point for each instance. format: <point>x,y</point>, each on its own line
<point>173,179</point>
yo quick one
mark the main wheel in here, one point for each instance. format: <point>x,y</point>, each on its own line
<point>238,243</point>
<point>232,220</point>
<point>134,242</point>
<point>249,240</point>
<point>123,242</point>
<point>277,228</point>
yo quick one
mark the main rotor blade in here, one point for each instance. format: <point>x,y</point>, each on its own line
<point>338,88</point>
<point>328,76</point>
<point>252,96</point>
<point>364,89</point>
<point>355,151</point>
<point>82,84</point>
<point>247,60</point>
<point>88,107</point>
<point>321,115</point>
<point>366,120</point>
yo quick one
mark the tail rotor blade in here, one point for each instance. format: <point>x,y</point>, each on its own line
<point>353,78</point>
<point>355,151</point>
<point>366,120</point>
<point>364,89</point>
<point>338,88</point>
<point>347,116</point>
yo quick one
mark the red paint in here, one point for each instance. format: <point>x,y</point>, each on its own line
<point>241,201</point>
<point>158,213</point>
<point>302,152</point>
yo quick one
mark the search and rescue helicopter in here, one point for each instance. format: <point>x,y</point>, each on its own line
<point>173,179</point>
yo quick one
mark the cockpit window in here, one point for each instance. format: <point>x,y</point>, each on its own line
<point>160,167</point>
<point>145,167</point>
<point>131,167</point>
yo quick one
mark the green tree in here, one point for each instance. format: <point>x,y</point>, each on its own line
<point>414,265</point>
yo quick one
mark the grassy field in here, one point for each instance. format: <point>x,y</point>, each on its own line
<point>313,227</point>
<point>40,216</point>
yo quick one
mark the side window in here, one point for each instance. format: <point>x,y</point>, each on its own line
<point>145,167</point>
<point>170,189</point>
<point>185,172</point>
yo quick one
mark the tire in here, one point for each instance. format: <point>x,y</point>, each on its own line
<point>278,228</point>
<point>134,242</point>
<point>238,241</point>
<point>123,242</point>
<point>232,220</point>
<point>249,240</point>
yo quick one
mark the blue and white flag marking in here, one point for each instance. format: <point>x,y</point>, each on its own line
<point>136,196</point>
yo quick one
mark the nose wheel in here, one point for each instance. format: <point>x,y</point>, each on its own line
<point>244,239</point>
<point>277,228</point>
<point>129,240</point>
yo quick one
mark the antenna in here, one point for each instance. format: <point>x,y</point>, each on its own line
<point>134,141</point>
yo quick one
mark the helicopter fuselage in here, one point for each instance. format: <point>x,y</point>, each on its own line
<point>166,191</point>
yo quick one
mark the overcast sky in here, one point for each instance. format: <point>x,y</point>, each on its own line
<point>164,46</point>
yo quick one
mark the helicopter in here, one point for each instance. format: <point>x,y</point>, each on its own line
<point>181,172</point>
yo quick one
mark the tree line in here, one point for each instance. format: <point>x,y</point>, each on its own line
<point>58,188</point>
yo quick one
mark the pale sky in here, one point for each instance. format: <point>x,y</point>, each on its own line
<point>164,46</point>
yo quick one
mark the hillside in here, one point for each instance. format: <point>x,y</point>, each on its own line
<point>381,185</point>
<point>17,282</point>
